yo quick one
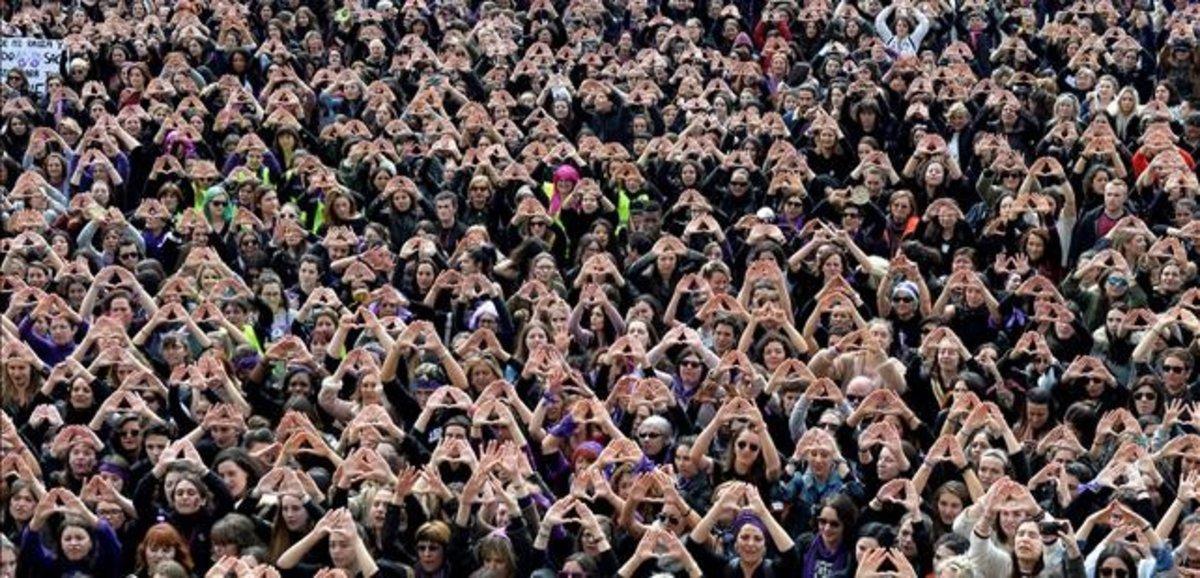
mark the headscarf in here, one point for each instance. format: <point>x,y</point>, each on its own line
<point>487,308</point>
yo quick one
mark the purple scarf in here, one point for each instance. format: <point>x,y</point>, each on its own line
<point>819,561</point>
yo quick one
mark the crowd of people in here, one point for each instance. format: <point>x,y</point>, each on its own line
<point>585,289</point>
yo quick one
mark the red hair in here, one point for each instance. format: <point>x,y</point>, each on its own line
<point>164,535</point>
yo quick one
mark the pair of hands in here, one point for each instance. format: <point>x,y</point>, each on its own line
<point>73,435</point>
<point>58,501</point>
<point>482,340</point>
<point>181,450</point>
<point>364,464</point>
<point>124,401</point>
<point>421,329</point>
<point>877,558</point>
<point>228,565</point>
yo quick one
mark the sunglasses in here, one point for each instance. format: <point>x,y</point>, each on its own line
<point>429,547</point>
<point>689,363</point>
<point>132,433</point>
<point>855,398</point>
<point>219,203</point>
<point>129,255</point>
<point>1145,396</point>
<point>747,445</point>
<point>738,183</point>
<point>650,435</point>
<point>1113,573</point>
<point>1174,368</point>
<point>902,299</point>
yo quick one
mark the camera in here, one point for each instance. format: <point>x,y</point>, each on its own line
<point>1052,528</point>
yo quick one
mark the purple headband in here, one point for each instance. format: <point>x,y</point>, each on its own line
<point>745,518</point>
<point>425,383</point>
<point>246,362</point>
<point>114,469</point>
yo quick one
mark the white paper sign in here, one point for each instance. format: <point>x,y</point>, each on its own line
<point>37,57</point>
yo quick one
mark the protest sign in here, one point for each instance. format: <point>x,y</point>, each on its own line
<point>38,58</point>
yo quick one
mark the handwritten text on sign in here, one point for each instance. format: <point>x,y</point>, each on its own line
<point>37,57</point>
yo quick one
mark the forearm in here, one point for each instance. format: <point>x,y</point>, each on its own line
<point>454,371</point>
<point>328,400</point>
<point>974,485</point>
<point>703,441</point>
<point>1167,524</point>
<point>631,566</point>
<point>193,437</point>
<point>798,420</point>
<point>292,556</point>
<point>334,347</point>
<point>770,458</point>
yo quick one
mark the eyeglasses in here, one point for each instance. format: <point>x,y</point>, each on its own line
<point>429,547</point>
<point>1175,368</point>
<point>1114,573</point>
<point>742,445</point>
<point>1145,396</point>
<point>650,435</point>
<point>834,523</point>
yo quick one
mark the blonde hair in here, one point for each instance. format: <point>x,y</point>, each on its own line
<point>962,565</point>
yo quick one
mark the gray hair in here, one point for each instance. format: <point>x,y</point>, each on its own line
<point>661,424</point>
